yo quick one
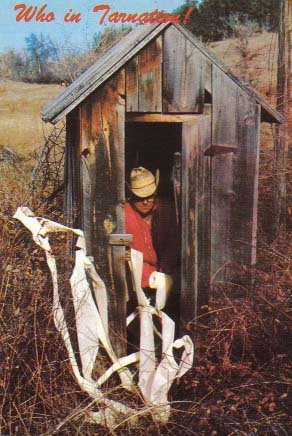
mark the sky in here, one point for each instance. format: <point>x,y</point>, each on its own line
<point>13,32</point>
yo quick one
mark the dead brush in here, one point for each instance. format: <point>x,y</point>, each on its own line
<point>241,380</point>
<point>40,394</point>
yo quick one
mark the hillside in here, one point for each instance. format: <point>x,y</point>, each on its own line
<point>253,59</point>
<point>21,127</point>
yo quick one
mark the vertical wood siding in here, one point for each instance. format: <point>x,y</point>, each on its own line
<point>71,176</point>
<point>204,212</point>
<point>235,122</point>
<point>245,183</point>
<point>103,182</point>
<point>149,70</point>
<point>144,78</point>
<point>132,95</point>
<point>219,194</point>
<point>87,172</point>
<point>183,79</point>
<point>196,137</point>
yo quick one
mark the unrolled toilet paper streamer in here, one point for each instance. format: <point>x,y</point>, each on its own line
<point>163,284</point>
<point>92,326</point>
<point>155,379</point>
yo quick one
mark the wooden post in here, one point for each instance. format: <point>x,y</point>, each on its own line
<point>281,145</point>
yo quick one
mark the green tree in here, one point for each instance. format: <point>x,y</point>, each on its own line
<point>213,20</point>
<point>40,51</point>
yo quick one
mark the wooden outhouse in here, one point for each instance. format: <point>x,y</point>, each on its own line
<point>160,99</point>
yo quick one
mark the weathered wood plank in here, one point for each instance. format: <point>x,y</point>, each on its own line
<point>132,85</point>
<point>189,271</point>
<point>73,199</point>
<point>121,239</point>
<point>88,173</point>
<point>215,149</point>
<point>235,122</point>
<point>103,153</point>
<point>87,203</point>
<point>224,132</point>
<point>224,95</point>
<point>183,81</point>
<point>109,202</point>
<point>196,135</point>
<point>150,77</point>
<point>160,118</point>
<point>204,213</point>
<point>71,176</point>
<point>245,181</point>
<point>207,72</point>
<point>221,212</point>
<point>176,181</point>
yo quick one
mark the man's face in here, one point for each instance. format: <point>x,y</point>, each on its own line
<point>144,205</point>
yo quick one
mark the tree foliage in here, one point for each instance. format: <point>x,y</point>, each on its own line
<point>40,50</point>
<point>213,20</point>
<point>44,61</point>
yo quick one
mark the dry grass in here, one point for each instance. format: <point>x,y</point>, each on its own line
<point>241,381</point>
<point>253,59</point>
<point>21,126</point>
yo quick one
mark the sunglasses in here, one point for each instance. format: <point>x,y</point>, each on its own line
<point>143,200</point>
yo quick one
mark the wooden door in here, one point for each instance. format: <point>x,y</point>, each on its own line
<point>195,271</point>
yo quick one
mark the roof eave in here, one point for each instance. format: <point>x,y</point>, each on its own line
<point>90,80</point>
<point>78,91</point>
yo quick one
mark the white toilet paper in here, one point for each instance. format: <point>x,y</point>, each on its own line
<point>163,284</point>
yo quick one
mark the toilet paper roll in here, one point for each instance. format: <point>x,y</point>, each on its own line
<point>163,284</point>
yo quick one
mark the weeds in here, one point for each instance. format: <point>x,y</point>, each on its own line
<point>241,380</point>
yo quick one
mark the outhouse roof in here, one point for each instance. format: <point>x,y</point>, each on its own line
<point>117,56</point>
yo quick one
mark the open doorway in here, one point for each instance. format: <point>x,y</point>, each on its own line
<point>153,145</point>
<point>157,145</point>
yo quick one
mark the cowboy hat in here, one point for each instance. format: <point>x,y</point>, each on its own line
<point>142,182</point>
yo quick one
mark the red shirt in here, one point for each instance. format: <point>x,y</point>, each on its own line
<point>140,228</point>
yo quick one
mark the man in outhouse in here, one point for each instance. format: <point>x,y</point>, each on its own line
<point>151,220</point>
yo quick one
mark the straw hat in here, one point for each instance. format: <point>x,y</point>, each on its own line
<point>142,182</point>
